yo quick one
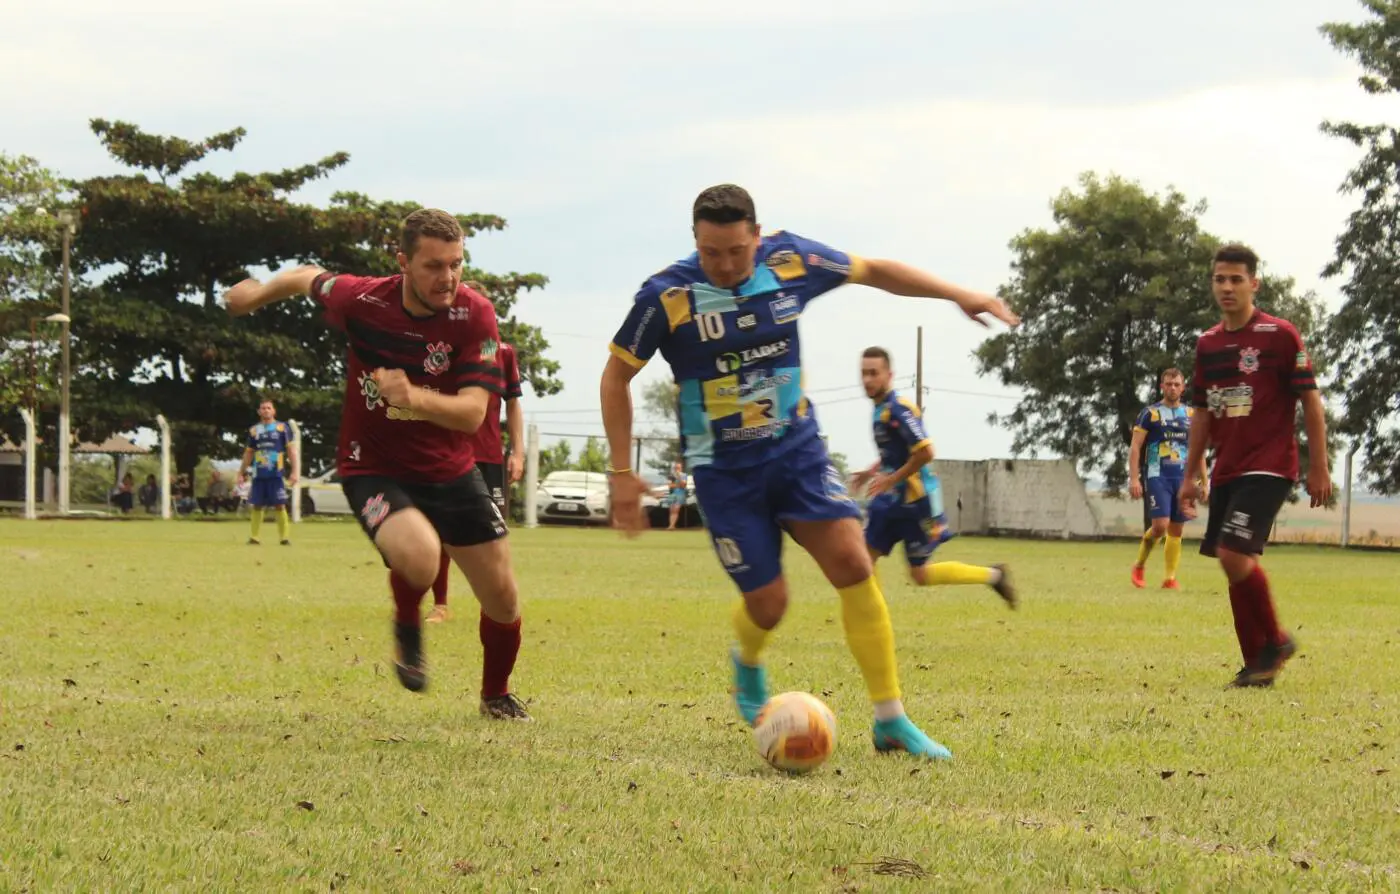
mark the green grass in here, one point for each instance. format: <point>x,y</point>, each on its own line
<point>170,695</point>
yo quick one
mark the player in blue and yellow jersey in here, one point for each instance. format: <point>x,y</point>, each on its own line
<point>725,320</point>
<point>271,454</point>
<point>906,503</point>
<point>1165,429</point>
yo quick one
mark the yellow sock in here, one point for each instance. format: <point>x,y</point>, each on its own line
<point>958,573</point>
<point>1173,552</point>
<point>871,638</point>
<point>256,517</point>
<point>752,638</point>
<point>1145,549</point>
<point>283,522</point>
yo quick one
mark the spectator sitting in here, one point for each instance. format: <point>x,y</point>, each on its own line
<point>149,494</point>
<point>122,496</point>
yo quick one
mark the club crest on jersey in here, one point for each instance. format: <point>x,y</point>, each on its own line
<point>439,359</point>
<point>489,347</point>
<point>369,390</point>
<point>1249,360</point>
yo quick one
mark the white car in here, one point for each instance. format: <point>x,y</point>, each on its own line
<point>574,496</point>
<point>322,495</point>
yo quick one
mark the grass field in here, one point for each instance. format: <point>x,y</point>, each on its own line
<point>184,712</point>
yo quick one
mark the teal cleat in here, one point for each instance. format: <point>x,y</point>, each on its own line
<point>900,734</point>
<point>750,689</point>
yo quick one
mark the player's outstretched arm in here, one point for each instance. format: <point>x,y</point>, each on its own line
<point>899,278</point>
<point>249,295</point>
<point>1135,464</point>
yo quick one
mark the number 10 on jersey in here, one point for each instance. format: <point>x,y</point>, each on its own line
<point>710,325</point>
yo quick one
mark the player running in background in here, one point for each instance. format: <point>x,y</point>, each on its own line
<point>271,455</point>
<point>678,486</point>
<point>421,369</point>
<point>725,320</point>
<point>498,472</point>
<point>1164,427</point>
<point>906,502</point>
<point>1251,371</point>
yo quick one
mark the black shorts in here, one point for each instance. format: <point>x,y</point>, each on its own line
<point>461,510</point>
<point>1242,512</point>
<point>495,477</point>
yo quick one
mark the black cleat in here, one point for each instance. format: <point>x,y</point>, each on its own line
<point>1271,660</point>
<point>1004,589</point>
<point>505,707</point>
<point>286,543</point>
<point>253,541</point>
<point>409,662</point>
<point>1245,679</point>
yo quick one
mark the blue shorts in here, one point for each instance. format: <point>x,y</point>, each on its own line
<point>889,521</point>
<point>268,492</point>
<point>744,509</point>
<point>1163,499</point>
<point>677,497</point>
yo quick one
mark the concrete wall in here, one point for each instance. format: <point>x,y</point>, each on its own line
<point>1027,497</point>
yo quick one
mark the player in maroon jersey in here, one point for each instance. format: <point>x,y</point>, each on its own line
<point>490,458</point>
<point>421,369</point>
<point>1251,371</point>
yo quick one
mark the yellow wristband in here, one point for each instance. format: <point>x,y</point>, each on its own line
<point>618,471</point>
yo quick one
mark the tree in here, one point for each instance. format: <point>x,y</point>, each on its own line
<point>1114,295</point>
<point>593,458</point>
<point>1365,333</point>
<point>158,245</point>
<point>838,459</point>
<point>30,196</point>
<point>658,405</point>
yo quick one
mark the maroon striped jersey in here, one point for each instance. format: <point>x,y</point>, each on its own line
<point>486,443</point>
<point>450,350</point>
<point>1249,380</point>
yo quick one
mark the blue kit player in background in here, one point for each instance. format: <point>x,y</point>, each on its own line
<point>272,455</point>
<point>906,503</point>
<point>1165,429</point>
<point>725,320</point>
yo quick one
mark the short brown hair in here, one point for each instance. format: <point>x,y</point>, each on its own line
<point>430,222</point>
<point>1172,372</point>
<point>723,204</point>
<point>1235,253</point>
<point>877,353</point>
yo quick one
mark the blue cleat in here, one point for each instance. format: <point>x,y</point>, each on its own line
<point>900,734</point>
<point>750,688</point>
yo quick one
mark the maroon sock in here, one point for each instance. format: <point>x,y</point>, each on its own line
<point>1244,624</point>
<point>440,585</point>
<point>1261,602</point>
<point>500,644</point>
<point>406,600</point>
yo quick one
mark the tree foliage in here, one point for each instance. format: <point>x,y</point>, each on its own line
<point>160,241</point>
<point>1364,335</point>
<point>1114,294</point>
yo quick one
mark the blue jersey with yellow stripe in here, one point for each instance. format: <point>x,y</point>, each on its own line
<point>1168,431</point>
<point>899,431</point>
<point>735,353</point>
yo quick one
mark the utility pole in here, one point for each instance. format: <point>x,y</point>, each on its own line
<point>919,374</point>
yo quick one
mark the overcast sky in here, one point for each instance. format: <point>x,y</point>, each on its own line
<point>923,130</point>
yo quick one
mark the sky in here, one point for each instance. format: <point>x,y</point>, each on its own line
<point>928,131</point>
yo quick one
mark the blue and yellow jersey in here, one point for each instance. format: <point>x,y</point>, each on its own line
<point>735,353</point>
<point>269,442</point>
<point>899,431</point>
<point>1168,431</point>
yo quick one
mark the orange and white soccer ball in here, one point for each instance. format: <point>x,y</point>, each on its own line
<point>795,732</point>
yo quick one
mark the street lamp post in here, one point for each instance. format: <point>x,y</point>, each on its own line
<point>65,437</point>
<point>33,400</point>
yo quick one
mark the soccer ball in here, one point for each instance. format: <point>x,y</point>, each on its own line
<point>795,731</point>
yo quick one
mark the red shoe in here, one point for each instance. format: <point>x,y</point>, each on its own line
<point>1171,583</point>
<point>1138,580</point>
